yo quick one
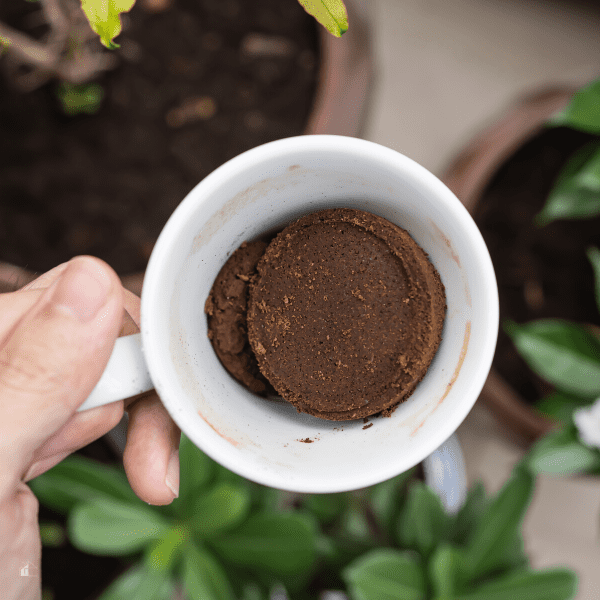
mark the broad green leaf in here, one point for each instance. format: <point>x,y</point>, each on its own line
<point>162,555</point>
<point>251,591</point>
<point>135,584</point>
<point>494,536</point>
<point>386,499</point>
<point>385,574</point>
<point>354,525</point>
<point>470,513</point>
<point>77,479</point>
<point>279,543</point>
<point>329,13</point>
<point>104,17</point>
<point>196,470</point>
<point>219,509</point>
<point>107,526</point>
<point>85,98</point>
<point>326,507</point>
<point>576,193</point>
<point>423,523</point>
<point>583,111</point>
<point>561,453</point>
<point>553,584</point>
<point>560,406</point>
<point>563,353</point>
<point>203,577</point>
<point>593,255</point>
<point>447,572</point>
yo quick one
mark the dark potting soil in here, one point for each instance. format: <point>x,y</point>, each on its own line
<point>542,272</point>
<point>197,84</point>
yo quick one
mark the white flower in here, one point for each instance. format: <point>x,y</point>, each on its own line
<point>587,421</point>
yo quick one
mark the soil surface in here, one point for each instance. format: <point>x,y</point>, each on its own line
<point>197,84</point>
<point>542,272</point>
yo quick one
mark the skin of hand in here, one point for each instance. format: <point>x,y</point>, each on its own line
<point>56,336</point>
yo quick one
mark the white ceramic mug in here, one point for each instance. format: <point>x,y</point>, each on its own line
<point>263,190</point>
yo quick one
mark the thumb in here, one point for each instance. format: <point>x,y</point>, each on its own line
<point>55,355</point>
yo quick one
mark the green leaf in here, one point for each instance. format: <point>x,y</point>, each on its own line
<point>196,471</point>
<point>554,584</point>
<point>77,479</point>
<point>583,111</point>
<point>563,353</point>
<point>560,406</point>
<point>576,193</point>
<point>279,543</point>
<point>326,507</point>
<point>329,13</point>
<point>223,507</point>
<point>53,535</point>
<point>163,554</point>
<point>385,574</point>
<point>85,98</point>
<point>593,255</point>
<point>447,572</point>
<point>132,584</point>
<point>423,522</point>
<point>493,539</point>
<point>203,576</point>
<point>104,18</point>
<point>561,453</point>
<point>386,499</point>
<point>470,514</point>
<point>110,527</point>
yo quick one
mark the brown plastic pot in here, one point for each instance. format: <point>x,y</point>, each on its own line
<point>339,107</point>
<point>467,176</point>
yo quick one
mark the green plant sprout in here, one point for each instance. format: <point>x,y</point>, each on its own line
<point>565,354</point>
<point>226,538</point>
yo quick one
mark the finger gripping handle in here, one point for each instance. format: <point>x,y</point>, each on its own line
<point>125,375</point>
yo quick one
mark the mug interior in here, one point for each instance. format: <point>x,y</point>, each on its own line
<point>261,192</point>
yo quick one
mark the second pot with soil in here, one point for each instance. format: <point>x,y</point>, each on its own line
<point>504,177</point>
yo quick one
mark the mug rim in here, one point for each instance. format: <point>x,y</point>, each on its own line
<point>201,193</point>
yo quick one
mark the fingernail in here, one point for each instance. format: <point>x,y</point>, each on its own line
<point>82,290</point>
<point>172,478</point>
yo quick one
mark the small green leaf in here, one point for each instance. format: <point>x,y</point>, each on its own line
<point>560,406</point>
<point>53,535</point>
<point>132,584</point>
<point>104,18</point>
<point>385,574</point>
<point>494,536</point>
<point>329,13</point>
<point>163,554</point>
<point>279,543</point>
<point>423,523</point>
<point>593,255</point>
<point>326,507</point>
<point>107,526</point>
<point>576,193</point>
<point>85,98</point>
<point>77,479</point>
<point>583,111</point>
<point>203,576</point>
<point>563,353</point>
<point>386,499</point>
<point>219,509</point>
<point>447,572</point>
<point>470,514</point>
<point>196,470</point>
<point>561,453</point>
<point>554,584</point>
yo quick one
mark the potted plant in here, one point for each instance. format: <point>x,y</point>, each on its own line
<point>226,538</point>
<point>530,183</point>
<point>100,146</point>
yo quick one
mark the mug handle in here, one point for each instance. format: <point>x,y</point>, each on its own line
<point>125,375</point>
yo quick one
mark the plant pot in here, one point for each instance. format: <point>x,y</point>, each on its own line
<point>480,176</point>
<point>343,79</point>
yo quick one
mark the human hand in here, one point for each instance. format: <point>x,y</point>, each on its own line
<point>56,336</point>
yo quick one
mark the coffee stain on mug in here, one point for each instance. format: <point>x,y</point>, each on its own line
<point>447,242</point>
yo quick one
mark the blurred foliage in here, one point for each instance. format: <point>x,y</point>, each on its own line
<point>226,538</point>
